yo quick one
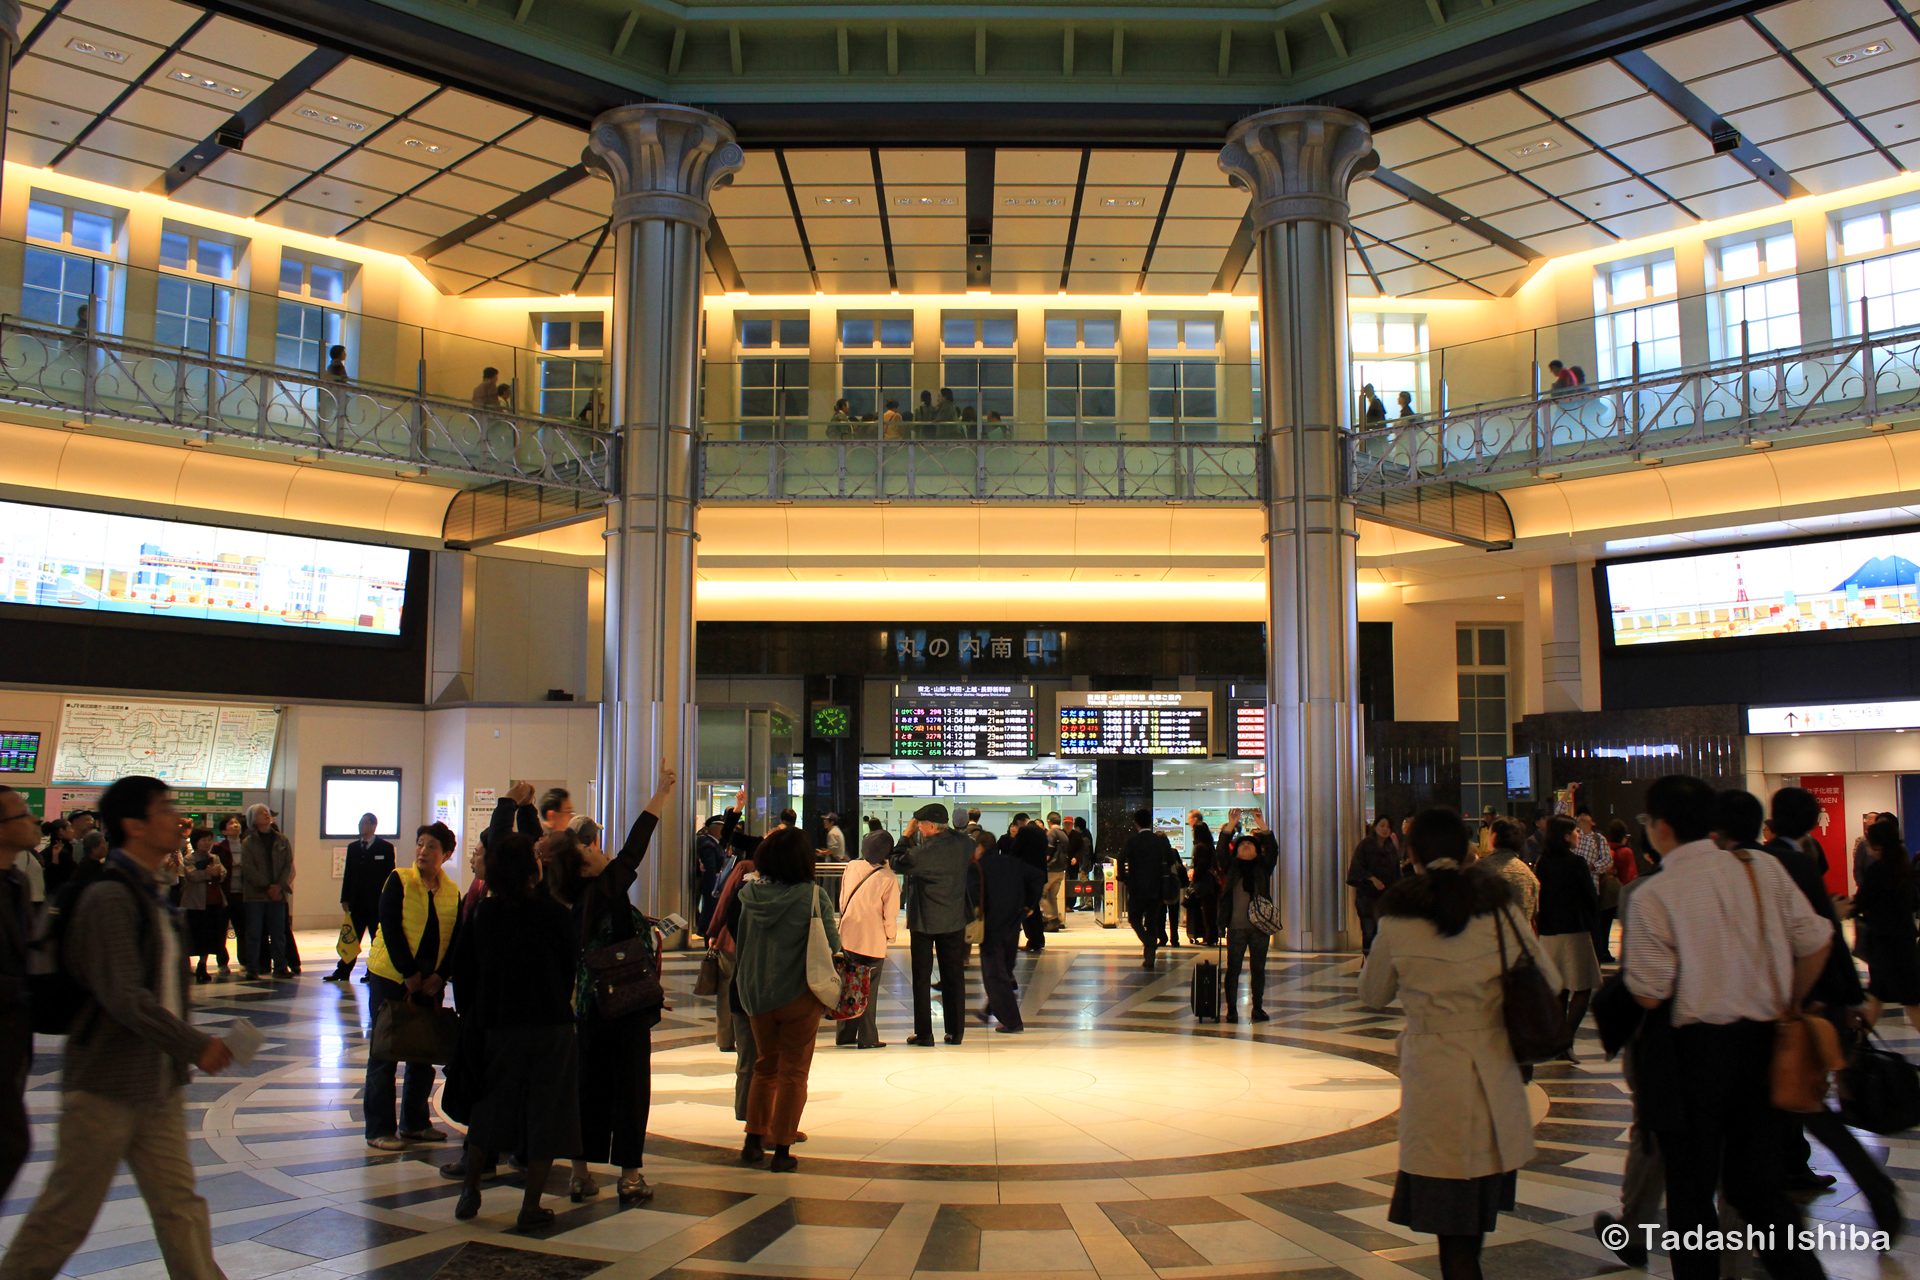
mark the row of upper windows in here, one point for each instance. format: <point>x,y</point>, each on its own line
<point>976,332</point>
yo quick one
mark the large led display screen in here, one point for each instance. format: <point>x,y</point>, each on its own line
<point>1134,723</point>
<point>1867,580</point>
<point>58,558</point>
<point>934,721</point>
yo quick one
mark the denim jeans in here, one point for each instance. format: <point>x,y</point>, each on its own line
<point>266,931</point>
<point>379,1102</point>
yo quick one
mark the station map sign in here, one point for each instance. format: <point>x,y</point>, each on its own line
<point>1135,723</point>
<point>182,744</point>
<point>947,720</point>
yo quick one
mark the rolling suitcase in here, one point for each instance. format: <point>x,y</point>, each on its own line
<point>1206,991</point>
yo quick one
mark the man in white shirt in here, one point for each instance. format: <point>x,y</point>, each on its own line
<point>836,840</point>
<point>1727,942</point>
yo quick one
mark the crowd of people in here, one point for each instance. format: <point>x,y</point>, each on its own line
<point>1729,938</point>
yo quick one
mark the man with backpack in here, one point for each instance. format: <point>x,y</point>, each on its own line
<point>129,1052</point>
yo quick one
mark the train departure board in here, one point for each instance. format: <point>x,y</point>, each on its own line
<point>1247,722</point>
<point>1135,723</point>
<point>951,721</point>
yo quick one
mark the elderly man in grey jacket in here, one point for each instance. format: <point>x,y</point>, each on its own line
<point>128,1056</point>
<point>935,864</point>
<point>266,878</point>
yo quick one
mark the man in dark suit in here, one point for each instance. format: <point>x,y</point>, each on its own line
<point>1144,863</point>
<point>369,863</point>
<point>1007,887</point>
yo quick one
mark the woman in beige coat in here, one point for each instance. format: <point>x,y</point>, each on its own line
<point>1464,1124</point>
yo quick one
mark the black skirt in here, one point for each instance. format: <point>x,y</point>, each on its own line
<point>1451,1206</point>
<point>529,1098</point>
<point>1893,969</point>
<point>207,930</point>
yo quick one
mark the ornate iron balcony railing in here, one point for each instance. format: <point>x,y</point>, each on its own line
<point>92,377</point>
<point>1763,398</point>
<point>1009,471</point>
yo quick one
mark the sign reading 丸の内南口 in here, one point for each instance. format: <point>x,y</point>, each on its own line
<point>1834,717</point>
<point>920,648</point>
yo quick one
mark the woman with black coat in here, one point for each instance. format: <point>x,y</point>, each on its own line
<point>1246,874</point>
<point>1375,866</point>
<point>1569,904</point>
<point>1886,899</point>
<point>616,1054</point>
<point>515,978</point>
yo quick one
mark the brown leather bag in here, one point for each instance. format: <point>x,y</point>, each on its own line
<point>1806,1049</point>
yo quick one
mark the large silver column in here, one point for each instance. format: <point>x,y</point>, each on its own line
<point>9,38</point>
<point>664,161</point>
<point>1297,162</point>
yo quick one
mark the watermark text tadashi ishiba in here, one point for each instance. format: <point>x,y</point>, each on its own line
<point>1829,1236</point>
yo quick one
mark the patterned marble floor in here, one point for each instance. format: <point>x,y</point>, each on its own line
<point>1115,1139</point>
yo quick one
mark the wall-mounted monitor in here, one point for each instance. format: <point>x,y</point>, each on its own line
<point>1860,583</point>
<point>54,557</point>
<point>949,720</point>
<point>1519,777</point>
<point>19,751</point>
<point>348,792</point>
<point>1147,722</point>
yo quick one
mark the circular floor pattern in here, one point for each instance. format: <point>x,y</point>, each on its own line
<point>1068,1097</point>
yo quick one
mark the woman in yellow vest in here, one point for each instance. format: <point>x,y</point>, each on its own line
<point>411,958</point>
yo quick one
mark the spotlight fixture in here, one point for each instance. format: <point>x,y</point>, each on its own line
<point>1535,148</point>
<point>211,86</point>
<point>431,148</point>
<point>1873,50</point>
<point>836,199</point>
<point>338,122</point>
<point>95,50</point>
<point>1127,202</point>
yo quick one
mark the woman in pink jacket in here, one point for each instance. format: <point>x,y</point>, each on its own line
<point>869,916</point>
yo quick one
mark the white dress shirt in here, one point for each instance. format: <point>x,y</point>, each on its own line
<point>1696,934</point>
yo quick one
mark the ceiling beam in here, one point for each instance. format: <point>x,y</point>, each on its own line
<point>1239,249</point>
<point>1073,219</point>
<point>799,223</point>
<point>1455,214</point>
<point>1159,221</point>
<point>133,86</point>
<point>1366,262</point>
<point>377,211</point>
<point>713,233</point>
<point>1820,88</point>
<point>1708,122</point>
<point>266,104</point>
<point>525,200</point>
<point>980,183</point>
<point>720,254</point>
<point>1521,174</point>
<point>32,37</point>
<point>1618,163</point>
<point>1445,271</point>
<point>886,227</point>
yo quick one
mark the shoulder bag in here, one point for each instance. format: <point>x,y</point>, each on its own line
<point>823,974</point>
<point>1537,1030</point>
<point>1879,1089</point>
<point>624,975</point>
<point>404,1031</point>
<point>1805,1050</point>
<point>856,978</point>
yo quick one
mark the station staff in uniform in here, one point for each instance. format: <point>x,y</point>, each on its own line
<point>369,863</point>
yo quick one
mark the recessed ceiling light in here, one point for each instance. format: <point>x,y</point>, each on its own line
<point>338,122</point>
<point>431,148</point>
<point>1128,203</point>
<point>97,50</point>
<point>836,199</point>
<point>1535,148</point>
<point>211,86</point>
<point>1864,51</point>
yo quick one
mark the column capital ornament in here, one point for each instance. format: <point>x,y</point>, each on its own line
<point>665,161</point>
<point>10,14</point>
<point>1297,162</point>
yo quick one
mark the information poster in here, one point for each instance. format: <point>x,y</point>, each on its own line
<point>186,745</point>
<point>948,721</point>
<point>1832,832</point>
<point>1135,723</point>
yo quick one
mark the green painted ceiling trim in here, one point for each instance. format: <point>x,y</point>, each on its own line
<point>794,53</point>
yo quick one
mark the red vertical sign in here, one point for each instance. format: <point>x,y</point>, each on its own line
<point>1830,789</point>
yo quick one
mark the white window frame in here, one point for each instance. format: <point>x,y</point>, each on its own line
<point>1649,320</point>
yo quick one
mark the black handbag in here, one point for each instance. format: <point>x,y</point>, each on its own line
<point>405,1031</point>
<point>1536,1028</point>
<point>625,974</point>
<point>1879,1090</point>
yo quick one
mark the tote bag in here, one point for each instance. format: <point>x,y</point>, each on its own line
<point>823,976</point>
<point>1537,1030</point>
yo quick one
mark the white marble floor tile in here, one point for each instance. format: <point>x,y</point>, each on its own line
<point>1018,1251</point>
